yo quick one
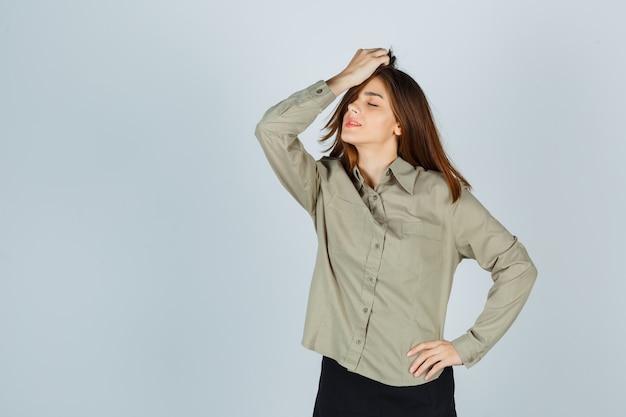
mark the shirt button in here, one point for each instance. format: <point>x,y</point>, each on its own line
<point>388,172</point>
<point>319,91</point>
<point>365,310</point>
<point>370,279</point>
<point>358,341</point>
<point>375,197</point>
<point>377,246</point>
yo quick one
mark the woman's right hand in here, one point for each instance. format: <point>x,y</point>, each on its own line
<point>362,65</point>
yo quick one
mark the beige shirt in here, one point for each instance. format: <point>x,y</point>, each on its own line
<point>386,256</point>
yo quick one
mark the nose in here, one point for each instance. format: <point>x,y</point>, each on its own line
<point>352,108</point>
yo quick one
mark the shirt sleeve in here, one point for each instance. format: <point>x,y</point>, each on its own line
<point>480,236</point>
<point>278,133</point>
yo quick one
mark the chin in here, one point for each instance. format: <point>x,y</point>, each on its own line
<point>350,140</point>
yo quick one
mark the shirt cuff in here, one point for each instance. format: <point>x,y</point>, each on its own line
<point>321,94</point>
<point>467,350</point>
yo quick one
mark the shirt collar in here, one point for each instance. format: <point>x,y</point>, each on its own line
<point>357,178</point>
<point>402,171</point>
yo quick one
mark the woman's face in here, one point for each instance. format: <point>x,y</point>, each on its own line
<point>369,121</point>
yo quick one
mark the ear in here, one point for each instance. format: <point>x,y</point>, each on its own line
<point>397,130</point>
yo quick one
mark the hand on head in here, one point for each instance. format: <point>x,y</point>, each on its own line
<point>360,68</point>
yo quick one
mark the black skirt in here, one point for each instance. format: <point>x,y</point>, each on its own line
<point>343,393</point>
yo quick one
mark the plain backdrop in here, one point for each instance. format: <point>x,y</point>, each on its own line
<point>152,265</point>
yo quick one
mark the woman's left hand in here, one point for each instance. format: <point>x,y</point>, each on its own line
<point>433,357</point>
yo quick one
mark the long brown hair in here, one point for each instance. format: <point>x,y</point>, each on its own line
<point>419,143</point>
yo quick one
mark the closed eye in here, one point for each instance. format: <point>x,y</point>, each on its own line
<point>372,104</point>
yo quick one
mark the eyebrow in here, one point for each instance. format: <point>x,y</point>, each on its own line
<point>372,94</point>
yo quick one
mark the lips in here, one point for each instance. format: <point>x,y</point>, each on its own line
<point>351,122</point>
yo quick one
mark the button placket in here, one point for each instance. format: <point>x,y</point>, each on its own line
<point>372,267</point>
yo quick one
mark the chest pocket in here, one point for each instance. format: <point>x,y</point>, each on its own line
<point>421,248</point>
<point>345,223</point>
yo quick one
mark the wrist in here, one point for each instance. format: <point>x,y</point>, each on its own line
<point>339,84</point>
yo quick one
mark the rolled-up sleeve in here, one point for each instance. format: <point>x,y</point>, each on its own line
<point>479,236</point>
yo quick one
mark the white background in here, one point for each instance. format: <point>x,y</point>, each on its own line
<point>152,265</point>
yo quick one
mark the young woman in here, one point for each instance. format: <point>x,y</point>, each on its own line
<point>393,219</point>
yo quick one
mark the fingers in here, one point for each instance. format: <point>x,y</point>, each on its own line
<point>369,58</point>
<point>361,67</point>
<point>433,357</point>
<point>422,346</point>
<point>375,52</point>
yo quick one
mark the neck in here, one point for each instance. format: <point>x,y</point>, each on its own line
<point>372,165</point>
